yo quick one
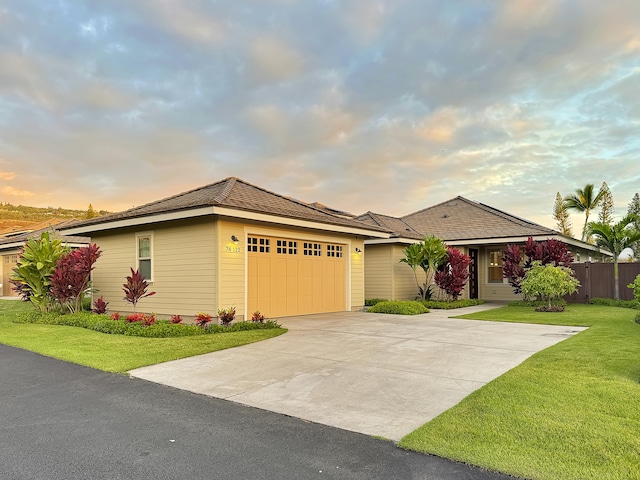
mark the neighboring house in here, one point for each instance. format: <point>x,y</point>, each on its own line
<point>232,244</point>
<point>11,247</point>
<point>480,231</point>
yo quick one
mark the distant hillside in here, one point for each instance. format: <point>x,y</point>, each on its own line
<point>22,217</point>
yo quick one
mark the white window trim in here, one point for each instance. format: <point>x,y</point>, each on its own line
<point>148,235</point>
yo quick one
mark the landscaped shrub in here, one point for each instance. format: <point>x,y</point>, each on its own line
<point>453,275</point>
<point>398,307</point>
<point>537,303</point>
<point>134,317</point>
<point>71,278</point>
<point>136,288</point>
<point>227,315</point>
<point>635,286</point>
<point>466,302</point>
<point>550,308</point>
<point>203,319</point>
<point>610,302</point>
<point>370,302</point>
<point>257,317</point>
<point>175,319</point>
<point>148,320</point>
<point>115,316</point>
<point>99,306</point>
<point>160,329</point>
<point>548,282</point>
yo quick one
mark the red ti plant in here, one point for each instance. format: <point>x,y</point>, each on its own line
<point>100,306</point>
<point>452,276</point>
<point>71,278</point>
<point>136,288</point>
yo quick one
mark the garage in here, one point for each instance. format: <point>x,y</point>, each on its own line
<point>288,276</point>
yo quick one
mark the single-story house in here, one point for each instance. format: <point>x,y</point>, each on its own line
<point>11,247</point>
<point>232,244</point>
<point>478,230</point>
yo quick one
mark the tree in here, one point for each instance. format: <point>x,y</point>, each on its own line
<point>429,255</point>
<point>562,217</point>
<point>549,282</point>
<point>91,213</point>
<point>584,200</point>
<point>634,208</point>
<point>136,288</point>
<point>616,238</point>
<point>517,261</point>
<point>606,205</point>
<point>31,277</point>
<point>452,276</point>
<point>71,278</point>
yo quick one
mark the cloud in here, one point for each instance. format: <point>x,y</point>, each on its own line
<point>7,175</point>
<point>14,192</point>
<point>272,60</point>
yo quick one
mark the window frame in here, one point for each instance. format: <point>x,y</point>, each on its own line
<point>490,265</point>
<point>140,236</point>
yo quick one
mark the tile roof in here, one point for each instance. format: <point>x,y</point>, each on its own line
<point>23,237</point>
<point>236,194</point>
<point>463,219</point>
<point>398,226</point>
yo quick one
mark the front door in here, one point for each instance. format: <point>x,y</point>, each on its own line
<point>473,273</point>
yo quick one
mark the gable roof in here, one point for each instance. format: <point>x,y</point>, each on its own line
<point>230,193</point>
<point>463,219</point>
<point>398,226</point>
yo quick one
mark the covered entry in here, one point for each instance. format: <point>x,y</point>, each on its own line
<point>8,264</point>
<point>293,277</point>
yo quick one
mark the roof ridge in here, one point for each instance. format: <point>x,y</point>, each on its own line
<point>222,196</point>
<point>436,205</point>
<point>510,217</point>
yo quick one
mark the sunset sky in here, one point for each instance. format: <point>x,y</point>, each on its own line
<point>388,106</point>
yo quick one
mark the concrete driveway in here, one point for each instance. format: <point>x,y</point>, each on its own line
<point>382,375</point>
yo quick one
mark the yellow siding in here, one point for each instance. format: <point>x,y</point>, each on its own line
<point>377,272</point>
<point>184,263</point>
<point>231,275</point>
<point>357,274</point>
<point>492,291</point>
<point>404,280</point>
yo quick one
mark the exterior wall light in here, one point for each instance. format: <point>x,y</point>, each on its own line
<point>358,251</point>
<point>234,239</point>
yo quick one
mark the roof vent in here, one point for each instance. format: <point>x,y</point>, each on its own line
<point>445,216</point>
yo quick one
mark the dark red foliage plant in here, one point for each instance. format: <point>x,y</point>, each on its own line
<point>176,319</point>
<point>100,306</point>
<point>136,288</point>
<point>71,279</point>
<point>134,317</point>
<point>516,260</point>
<point>203,319</point>
<point>454,274</point>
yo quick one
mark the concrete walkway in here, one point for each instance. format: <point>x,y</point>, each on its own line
<point>382,375</point>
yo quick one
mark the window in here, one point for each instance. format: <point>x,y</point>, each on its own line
<point>144,253</point>
<point>334,251</point>
<point>312,249</point>
<point>495,266</point>
<point>286,247</point>
<point>256,244</point>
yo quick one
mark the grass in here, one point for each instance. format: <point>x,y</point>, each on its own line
<point>112,353</point>
<point>571,411</point>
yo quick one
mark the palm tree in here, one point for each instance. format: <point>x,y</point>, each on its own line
<point>428,255</point>
<point>616,238</point>
<point>584,201</point>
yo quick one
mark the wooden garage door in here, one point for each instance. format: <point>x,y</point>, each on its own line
<point>294,277</point>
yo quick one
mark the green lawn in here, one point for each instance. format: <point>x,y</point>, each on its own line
<point>112,353</point>
<point>571,411</point>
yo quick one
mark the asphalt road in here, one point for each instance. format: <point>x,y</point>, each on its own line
<point>67,422</point>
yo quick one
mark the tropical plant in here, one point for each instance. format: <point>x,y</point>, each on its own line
<point>227,315</point>
<point>635,286</point>
<point>136,288</point>
<point>31,277</point>
<point>71,278</point>
<point>616,238</point>
<point>257,317</point>
<point>562,217</point>
<point>584,200</point>
<point>429,255</point>
<point>175,319</point>
<point>100,306</point>
<point>202,319</point>
<point>548,282</point>
<point>453,275</point>
<point>516,260</point>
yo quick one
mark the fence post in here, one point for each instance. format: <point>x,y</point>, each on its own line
<point>587,281</point>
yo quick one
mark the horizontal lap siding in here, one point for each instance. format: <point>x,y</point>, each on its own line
<point>404,280</point>
<point>377,272</point>
<point>183,268</point>
<point>357,274</point>
<point>232,267</point>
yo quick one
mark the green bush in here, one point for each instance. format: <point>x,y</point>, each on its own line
<point>160,329</point>
<point>370,302</point>
<point>610,302</point>
<point>635,286</point>
<point>536,303</point>
<point>444,305</point>
<point>399,307</point>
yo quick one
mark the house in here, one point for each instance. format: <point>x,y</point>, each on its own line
<point>480,231</point>
<point>232,244</point>
<point>11,246</point>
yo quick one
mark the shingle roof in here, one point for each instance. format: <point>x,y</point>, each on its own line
<point>463,219</point>
<point>398,226</point>
<point>23,237</point>
<point>236,194</point>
